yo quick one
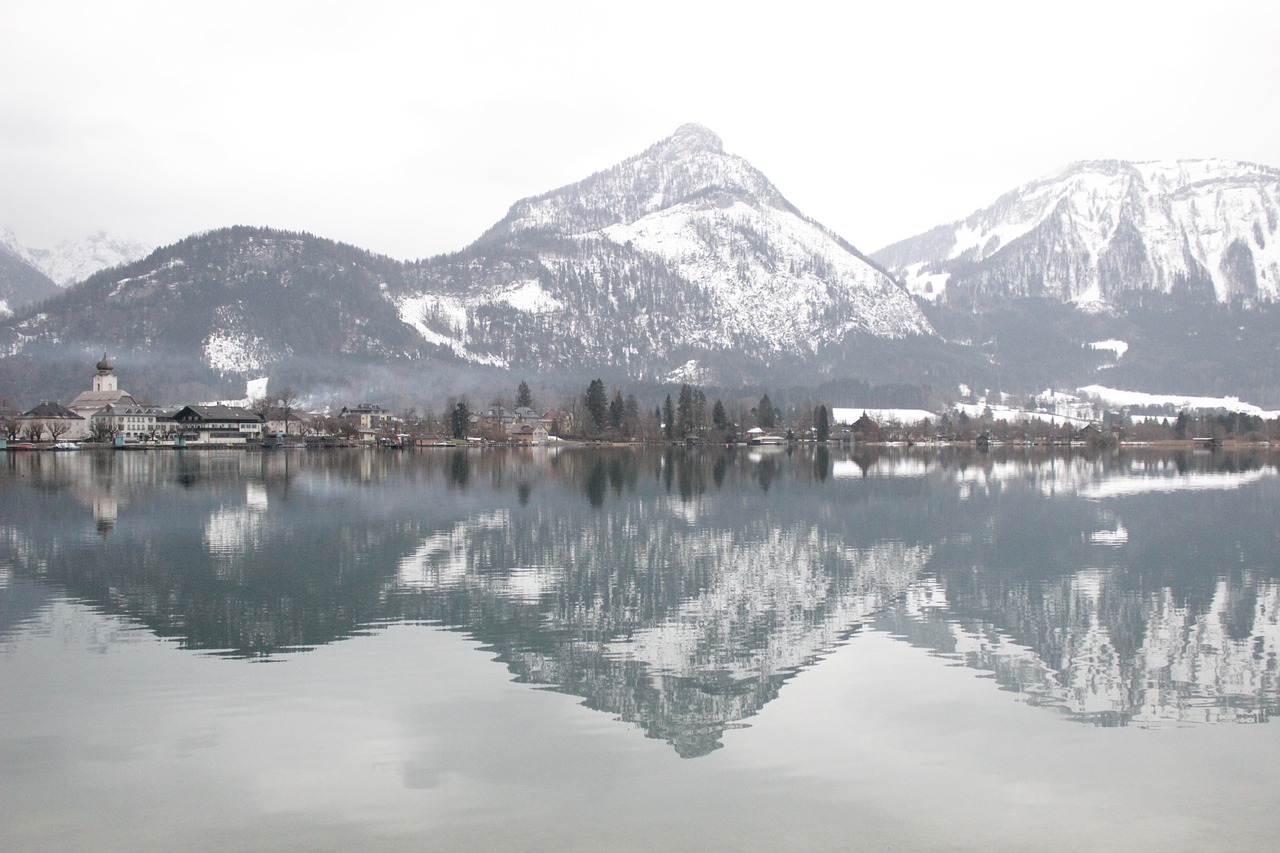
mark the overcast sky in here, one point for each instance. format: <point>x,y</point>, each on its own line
<point>409,128</point>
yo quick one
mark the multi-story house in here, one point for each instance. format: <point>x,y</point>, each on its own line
<point>218,424</point>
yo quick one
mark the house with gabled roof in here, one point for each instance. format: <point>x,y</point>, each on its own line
<point>50,421</point>
<point>218,424</point>
<point>367,416</point>
<point>136,422</point>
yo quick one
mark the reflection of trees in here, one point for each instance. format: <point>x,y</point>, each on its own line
<point>197,551</point>
<point>615,576</point>
<point>821,463</point>
<point>679,613</point>
<point>459,468</point>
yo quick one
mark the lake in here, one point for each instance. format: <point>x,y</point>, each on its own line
<point>614,649</point>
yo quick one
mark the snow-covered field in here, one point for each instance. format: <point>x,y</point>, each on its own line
<point>903,417</point>
<point>1114,398</point>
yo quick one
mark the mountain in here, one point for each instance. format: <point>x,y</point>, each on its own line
<point>679,257</point>
<point>218,307</point>
<point>682,262</point>
<point>21,283</point>
<point>75,260</point>
<point>29,275</point>
<point>1109,234</point>
<point>1163,277</point>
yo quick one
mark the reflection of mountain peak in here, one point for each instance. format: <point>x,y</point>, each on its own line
<point>1207,667</point>
<point>670,590</point>
<point>752,604</point>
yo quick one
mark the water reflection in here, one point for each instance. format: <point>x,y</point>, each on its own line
<point>678,589</point>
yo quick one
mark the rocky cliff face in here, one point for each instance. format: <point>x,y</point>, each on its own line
<point>1108,234</point>
<point>75,260</point>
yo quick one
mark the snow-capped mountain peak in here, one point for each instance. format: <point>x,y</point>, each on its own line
<point>71,261</point>
<point>726,256</point>
<point>693,137</point>
<point>1099,232</point>
<point>690,162</point>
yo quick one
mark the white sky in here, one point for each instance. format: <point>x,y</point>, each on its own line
<point>409,128</point>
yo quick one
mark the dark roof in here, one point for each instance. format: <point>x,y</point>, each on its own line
<point>120,409</point>
<point>218,413</point>
<point>52,411</point>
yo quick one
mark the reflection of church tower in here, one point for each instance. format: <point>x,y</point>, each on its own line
<point>104,379</point>
<point>105,510</point>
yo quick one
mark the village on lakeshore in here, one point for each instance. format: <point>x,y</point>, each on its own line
<point>108,416</point>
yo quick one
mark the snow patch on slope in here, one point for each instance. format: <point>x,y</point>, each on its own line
<point>235,352</point>
<point>530,297</point>
<point>773,275</point>
<point>442,320</point>
<point>1117,347</point>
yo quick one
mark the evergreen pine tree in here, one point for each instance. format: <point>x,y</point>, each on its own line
<point>597,405</point>
<point>719,418</point>
<point>684,411</point>
<point>766,415</point>
<point>524,397</point>
<point>617,410</point>
<point>821,423</point>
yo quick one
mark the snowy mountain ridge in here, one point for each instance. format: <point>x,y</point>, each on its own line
<point>75,260</point>
<point>759,274</point>
<point>1100,232</point>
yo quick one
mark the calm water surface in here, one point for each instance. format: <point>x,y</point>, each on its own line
<point>580,649</point>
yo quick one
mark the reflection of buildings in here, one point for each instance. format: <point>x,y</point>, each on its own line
<point>105,509</point>
<point>233,530</point>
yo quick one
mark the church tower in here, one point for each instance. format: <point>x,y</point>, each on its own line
<point>104,379</point>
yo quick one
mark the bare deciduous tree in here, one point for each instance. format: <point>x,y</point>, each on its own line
<point>286,403</point>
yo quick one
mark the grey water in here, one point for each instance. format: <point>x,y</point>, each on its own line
<point>619,649</point>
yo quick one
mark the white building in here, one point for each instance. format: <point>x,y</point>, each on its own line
<point>218,424</point>
<point>105,393</point>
